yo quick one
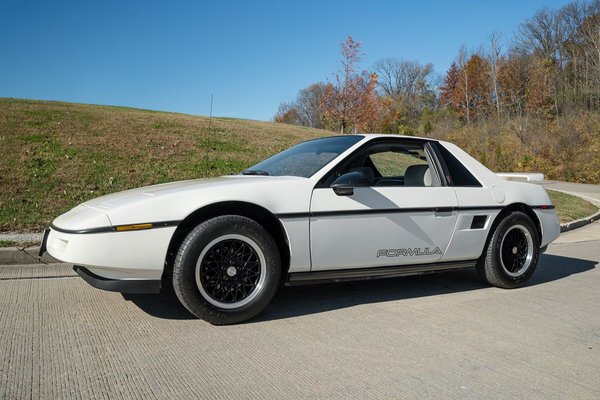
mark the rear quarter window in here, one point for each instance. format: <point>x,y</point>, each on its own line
<point>459,174</point>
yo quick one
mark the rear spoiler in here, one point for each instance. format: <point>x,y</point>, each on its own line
<point>522,176</point>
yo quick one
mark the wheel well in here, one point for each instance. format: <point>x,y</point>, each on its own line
<point>524,208</point>
<point>257,213</point>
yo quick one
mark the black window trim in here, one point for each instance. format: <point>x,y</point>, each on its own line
<point>326,180</point>
<point>442,162</point>
<point>436,163</point>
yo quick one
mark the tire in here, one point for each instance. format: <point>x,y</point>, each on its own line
<point>512,253</point>
<point>227,270</point>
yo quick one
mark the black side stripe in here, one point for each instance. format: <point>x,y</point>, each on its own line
<point>105,229</point>
<point>394,211</point>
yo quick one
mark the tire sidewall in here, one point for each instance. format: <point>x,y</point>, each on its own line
<point>184,271</point>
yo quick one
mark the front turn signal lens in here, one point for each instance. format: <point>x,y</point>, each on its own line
<point>135,227</point>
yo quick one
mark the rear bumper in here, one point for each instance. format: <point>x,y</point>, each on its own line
<point>550,225</point>
<point>118,285</point>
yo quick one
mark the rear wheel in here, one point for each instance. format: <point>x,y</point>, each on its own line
<point>512,253</point>
<point>227,270</point>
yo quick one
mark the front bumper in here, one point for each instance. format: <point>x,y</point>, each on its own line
<point>118,285</point>
<point>138,255</point>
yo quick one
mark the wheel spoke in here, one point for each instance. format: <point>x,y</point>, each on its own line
<point>230,271</point>
<point>515,251</point>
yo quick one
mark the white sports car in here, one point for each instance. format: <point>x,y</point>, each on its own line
<point>326,210</point>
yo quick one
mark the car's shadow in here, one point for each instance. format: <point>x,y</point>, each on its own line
<point>311,299</point>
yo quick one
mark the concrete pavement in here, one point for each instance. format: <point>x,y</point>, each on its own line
<point>435,336</point>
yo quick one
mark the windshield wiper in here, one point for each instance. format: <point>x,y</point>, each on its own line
<point>254,172</point>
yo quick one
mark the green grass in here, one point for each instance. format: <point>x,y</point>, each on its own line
<point>570,208</point>
<point>55,155</point>
<point>8,243</point>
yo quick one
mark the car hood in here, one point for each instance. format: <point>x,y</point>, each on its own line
<point>118,199</point>
<point>174,201</point>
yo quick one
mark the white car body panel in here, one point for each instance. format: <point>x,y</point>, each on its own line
<point>331,236</point>
<point>549,225</point>
<point>316,241</point>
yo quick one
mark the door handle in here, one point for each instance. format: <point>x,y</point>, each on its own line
<point>443,209</point>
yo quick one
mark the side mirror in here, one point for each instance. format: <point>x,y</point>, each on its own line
<point>344,185</point>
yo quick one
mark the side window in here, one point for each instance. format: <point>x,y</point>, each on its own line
<point>395,164</point>
<point>391,164</point>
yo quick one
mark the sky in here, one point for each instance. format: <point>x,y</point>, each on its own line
<point>250,55</point>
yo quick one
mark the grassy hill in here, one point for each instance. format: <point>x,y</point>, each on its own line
<point>56,155</point>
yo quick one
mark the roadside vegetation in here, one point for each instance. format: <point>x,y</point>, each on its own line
<point>530,102</point>
<point>56,155</point>
<point>570,208</point>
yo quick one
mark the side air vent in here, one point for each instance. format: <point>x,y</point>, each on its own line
<point>478,221</point>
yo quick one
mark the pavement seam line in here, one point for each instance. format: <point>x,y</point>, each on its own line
<point>28,278</point>
<point>38,259</point>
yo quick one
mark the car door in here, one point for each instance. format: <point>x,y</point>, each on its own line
<point>402,215</point>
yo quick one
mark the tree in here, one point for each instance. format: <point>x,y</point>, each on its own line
<point>464,90</point>
<point>449,90</point>
<point>476,71</point>
<point>305,110</point>
<point>287,113</point>
<point>408,83</point>
<point>589,31</point>
<point>309,105</point>
<point>466,87</point>
<point>493,59</point>
<point>351,101</point>
<point>513,82</point>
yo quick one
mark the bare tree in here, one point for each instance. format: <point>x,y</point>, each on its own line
<point>408,84</point>
<point>309,105</point>
<point>590,35</point>
<point>493,58</point>
<point>541,34</point>
<point>401,78</point>
<point>461,62</point>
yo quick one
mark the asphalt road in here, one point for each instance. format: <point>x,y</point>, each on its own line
<point>434,336</point>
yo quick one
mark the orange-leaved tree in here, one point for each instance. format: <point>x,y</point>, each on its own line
<point>351,101</point>
<point>466,87</point>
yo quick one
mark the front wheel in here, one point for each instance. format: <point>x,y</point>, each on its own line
<point>512,253</point>
<point>227,270</point>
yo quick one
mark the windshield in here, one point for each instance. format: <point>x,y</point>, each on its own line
<point>304,159</point>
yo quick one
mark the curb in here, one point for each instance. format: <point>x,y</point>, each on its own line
<point>569,226</point>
